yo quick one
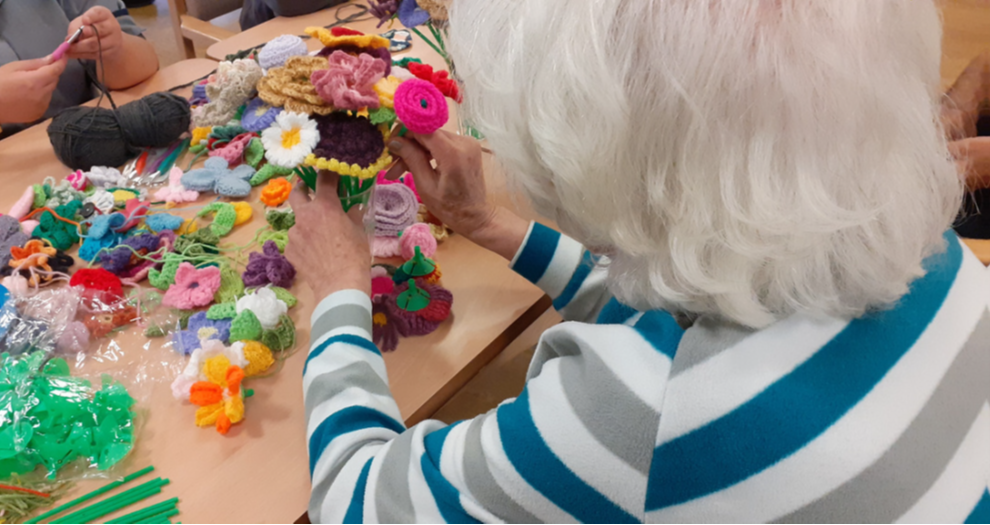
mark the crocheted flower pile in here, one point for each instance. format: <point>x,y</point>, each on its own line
<point>289,86</point>
<point>215,176</point>
<point>269,267</point>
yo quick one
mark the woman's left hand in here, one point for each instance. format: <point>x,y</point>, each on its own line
<point>111,38</point>
<point>329,250</point>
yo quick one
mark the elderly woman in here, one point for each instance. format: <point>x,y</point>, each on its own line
<point>770,319</point>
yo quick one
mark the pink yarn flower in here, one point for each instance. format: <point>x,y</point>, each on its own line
<point>417,236</point>
<point>233,151</point>
<point>420,106</point>
<point>348,82</point>
<point>192,288</point>
<point>175,192</point>
<point>406,179</point>
<point>77,180</point>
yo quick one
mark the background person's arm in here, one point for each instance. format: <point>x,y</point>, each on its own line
<point>128,58</point>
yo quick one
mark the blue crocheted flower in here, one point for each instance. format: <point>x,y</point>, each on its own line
<point>187,341</point>
<point>411,15</point>
<point>101,235</point>
<point>258,116</point>
<point>215,176</point>
<point>163,221</point>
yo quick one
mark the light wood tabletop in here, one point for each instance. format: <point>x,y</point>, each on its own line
<point>258,472</point>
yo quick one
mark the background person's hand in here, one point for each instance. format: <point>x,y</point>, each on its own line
<point>111,38</point>
<point>26,88</point>
<point>329,250</point>
<point>961,109</point>
<point>455,190</point>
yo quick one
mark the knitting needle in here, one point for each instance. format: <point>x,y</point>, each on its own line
<point>64,46</point>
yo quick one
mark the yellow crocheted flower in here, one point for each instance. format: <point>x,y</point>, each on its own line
<point>244,212</point>
<point>200,134</point>
<point>386,91</point>
<point>289,86</point>
<point>328,39</point>
<point>259,358</point>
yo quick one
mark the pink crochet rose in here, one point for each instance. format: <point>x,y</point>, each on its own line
<point>233,152</point>
<point>192,288</point>
<point>77,180</point>
<point>348,82</point>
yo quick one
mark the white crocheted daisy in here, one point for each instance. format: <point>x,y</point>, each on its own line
<point>290,139</point>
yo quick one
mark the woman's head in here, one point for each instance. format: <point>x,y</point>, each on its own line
<point>747,158</point>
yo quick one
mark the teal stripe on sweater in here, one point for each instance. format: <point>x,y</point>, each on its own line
<point>355,511</point>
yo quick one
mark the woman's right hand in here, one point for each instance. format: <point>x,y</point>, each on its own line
<point>455,190</point>
<point>26,88</point>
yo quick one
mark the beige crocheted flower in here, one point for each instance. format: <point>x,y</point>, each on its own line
<point>289,86</point>
<point>436,8</point>
<point>228,89</point>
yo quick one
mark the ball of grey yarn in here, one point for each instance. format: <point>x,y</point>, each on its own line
<point>83,137</point>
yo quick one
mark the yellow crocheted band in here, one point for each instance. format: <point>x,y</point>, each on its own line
<point>352,170</point>
<point>327,38</point>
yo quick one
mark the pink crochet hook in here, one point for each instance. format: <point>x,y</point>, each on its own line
<point>61,49</point>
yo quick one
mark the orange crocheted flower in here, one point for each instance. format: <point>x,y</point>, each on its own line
<point>276,192</point>
<point>220,400</point>
<point>34,254</point>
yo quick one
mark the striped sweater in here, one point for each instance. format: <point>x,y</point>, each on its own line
<point>627,417</point>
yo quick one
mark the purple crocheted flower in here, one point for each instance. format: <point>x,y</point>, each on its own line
<point>383,10</point>
<point>118,260</point>
<point>411,15</point>
<point>258,116</point>
<point>186,341</point>
<point>395,209</point>
<point>353,140</point>
<point>199,95</point>
<point>269,267</point>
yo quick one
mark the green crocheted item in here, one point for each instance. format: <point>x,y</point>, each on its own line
<point>39,196</point>
<point>282,337</point>
<point>254,153</point>
<point>61,234</point>
<point>155,331</point>
<point>381,115</point>
<point>404,63</point>
<point>231,286</point>
<point>184,316</point>
<point>223,221</point>
<point>281,220</point>
<point>199,242</point>
<point>225,133</point>
<point>222,311</point>
<point>281,239</point>
<point>164,278</point>
<point>285,296</point>
<point>268,171</point>
<point>61,193</point>
<point>245,327</point>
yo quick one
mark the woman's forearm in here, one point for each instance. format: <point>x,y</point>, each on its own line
<point>503,234</point>
<point>135,63</point>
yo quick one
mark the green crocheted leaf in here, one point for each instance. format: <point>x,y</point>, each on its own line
<point>282,337</point>
<point>231,286</point>
<point>222,311</point>
<point>285,296</point>
<point>281,220</point>
<point>267,172</point>
<point>245,327</point>
<point>164,278</point>
<point>281,239</point>
<point>254,153</point>
<point>39,196</point>
<point>381,115</point>
<point>223,221</point>
<point>226,133</point>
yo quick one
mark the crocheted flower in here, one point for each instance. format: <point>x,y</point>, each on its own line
<point>265,305</point>
<point>258,115</point>
<point>406,179</point>
<point>233,151</point>
<point>383,10</point>
<point>104,177</point>
<point>269,267</point>
<point>342,36</point>
<point>199,97</point>
<point>348,82</point>
<point>192,287</point>
<point>276,192</point>
<point>440,79</point>
<point>349,145</point>
<point>34,254</point>
<point>102,199</point>
<point>386,91</point>
<point>134,212</point>
<point>102,234</point>
<point>77,179</point>
<point>220,401</point>
<point>290,139</point>
<point>127,260</point>
<point>99,280</point>
<point>10,236</point>
<point>227,90</point>
<point>420,106</point>
<point>280,49</point>
<point>381,281</point>
<point>163,221</point>
<point>395,209</point>
<point>391,318</point>
<point>417,236</point>
<point>379,53</point>
<point>175,192</point>
<point>289,86</point>
<point>57,230</point>
<point>200,328</point>
<point>215,176</point>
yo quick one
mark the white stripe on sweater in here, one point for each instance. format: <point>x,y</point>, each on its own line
<point>565,261</point>
<point>883,415</point>
<point>339,356</point>
<point>424,505</point>
<point>962,483</point>
<point>338,498</point>
<point>351,397</point>
<point>580,451</point>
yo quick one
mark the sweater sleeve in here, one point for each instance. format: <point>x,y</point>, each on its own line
<point>551,454</point>
<point>565,270</point>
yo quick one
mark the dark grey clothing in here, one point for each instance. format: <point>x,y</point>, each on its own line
<point>258,11</point>
<point>34,28</point>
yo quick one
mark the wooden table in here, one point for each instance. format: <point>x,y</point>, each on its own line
<point>258,472</point>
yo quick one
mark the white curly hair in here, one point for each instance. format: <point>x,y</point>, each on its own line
<point>744,158</point>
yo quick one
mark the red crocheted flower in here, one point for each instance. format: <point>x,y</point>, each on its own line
<point>97,279</point>
<point>441,79</point>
